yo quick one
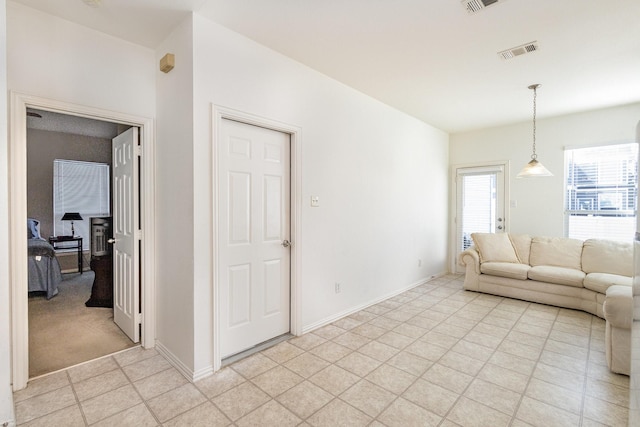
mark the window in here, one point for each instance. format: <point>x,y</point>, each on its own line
<point>601,192</point>
<point>81,187</point>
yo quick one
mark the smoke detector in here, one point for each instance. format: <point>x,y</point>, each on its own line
<point>474,6</point>
<point>519,50</point>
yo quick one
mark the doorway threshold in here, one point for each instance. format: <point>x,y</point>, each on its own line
<point>255,349</point>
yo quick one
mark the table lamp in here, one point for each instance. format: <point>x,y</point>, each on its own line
<point>72,216</point>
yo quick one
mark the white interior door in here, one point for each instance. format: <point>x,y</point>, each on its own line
<point>126,291</point>
<point>254,234</point>
<point>480,193</point>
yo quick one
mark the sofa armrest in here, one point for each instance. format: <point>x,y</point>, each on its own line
<point>618,306</point>
<point>470,257</point>
<point>471,260</point>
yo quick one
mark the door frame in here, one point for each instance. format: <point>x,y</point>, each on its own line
<point>218,114</point>
<point>453,255</point>
<point>18,273</point>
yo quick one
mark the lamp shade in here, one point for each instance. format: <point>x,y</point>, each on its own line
<point>71,216</point>
<point>533,169</point>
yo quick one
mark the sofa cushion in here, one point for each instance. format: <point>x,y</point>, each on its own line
<point>494,247</point>
<point>505,269</point>
<point>606,256</point>
<point>557,275</point>
<point>522,245</point>
<point>600,282</point>
<point>556,251</point>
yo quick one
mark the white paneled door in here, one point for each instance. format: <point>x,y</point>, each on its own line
<point>254,233</point>
<point>126,290</point>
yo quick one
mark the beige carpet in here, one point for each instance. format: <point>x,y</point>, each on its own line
<point>63,332</point>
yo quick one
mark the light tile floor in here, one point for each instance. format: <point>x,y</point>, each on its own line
<point>434,355</point>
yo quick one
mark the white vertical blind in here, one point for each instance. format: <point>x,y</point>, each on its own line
<point>601,192</point>
<point>81,187</point>
<point>477,202</point>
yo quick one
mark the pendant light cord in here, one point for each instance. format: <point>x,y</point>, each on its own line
<point>534,156</point>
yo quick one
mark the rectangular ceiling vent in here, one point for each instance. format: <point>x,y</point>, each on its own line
<point>519,50</point>
<point>474,6</point>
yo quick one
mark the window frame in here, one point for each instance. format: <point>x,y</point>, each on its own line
<point>625,190</point>
<point>82,227</point>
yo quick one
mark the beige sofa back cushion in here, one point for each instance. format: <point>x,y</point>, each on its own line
<point>494,247</point>
<point>522,245</point>
<point>556,251</point>
<point>606,256</point>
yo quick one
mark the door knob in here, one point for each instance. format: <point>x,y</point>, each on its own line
<point>112,241</point>
<point>286,243</point>
<point>499,227</point>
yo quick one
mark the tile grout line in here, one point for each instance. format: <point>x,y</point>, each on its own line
<point>586,374</point>
<point>363,378</point>
<point>512,417</point>
<point>399,395</point>
<point>533,371</point>
<point>382,363</point>
<point>408,306</point>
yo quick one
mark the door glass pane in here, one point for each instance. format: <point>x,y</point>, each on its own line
<point>479,203</point>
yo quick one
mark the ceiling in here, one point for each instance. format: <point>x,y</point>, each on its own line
<point>428,58</point>
<point>56,122</point>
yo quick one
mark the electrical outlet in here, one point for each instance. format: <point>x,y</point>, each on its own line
<point>337,288</point>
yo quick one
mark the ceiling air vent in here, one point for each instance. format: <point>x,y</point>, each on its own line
<point>519,50</point>
<point>474,6</point>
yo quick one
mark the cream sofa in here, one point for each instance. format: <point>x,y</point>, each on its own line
<point>563,272</point>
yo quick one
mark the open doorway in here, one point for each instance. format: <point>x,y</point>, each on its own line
<point>69,197</point>
<point>140,148</point>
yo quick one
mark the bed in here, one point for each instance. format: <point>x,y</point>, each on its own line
<point>44,269</point>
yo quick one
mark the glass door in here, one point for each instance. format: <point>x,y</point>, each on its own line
<point>479,204</point>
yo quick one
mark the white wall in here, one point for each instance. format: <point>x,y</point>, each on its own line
<point>381,177</point>
<point>56,59</point>
<point>540,201</point>
<point>6,397</point>
<point>175,200</point>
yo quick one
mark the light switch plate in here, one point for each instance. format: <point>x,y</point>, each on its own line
<point>315,201</point>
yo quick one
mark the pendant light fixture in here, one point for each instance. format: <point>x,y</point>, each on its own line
<point>534,168</point>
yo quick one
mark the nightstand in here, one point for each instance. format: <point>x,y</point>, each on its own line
<point>68,242</point>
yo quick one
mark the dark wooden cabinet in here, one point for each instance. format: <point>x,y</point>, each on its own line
<point>102,289</point>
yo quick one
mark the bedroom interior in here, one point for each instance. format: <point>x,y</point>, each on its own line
<point>69,318</point>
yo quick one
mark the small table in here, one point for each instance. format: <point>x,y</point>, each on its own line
<point>56,240</point>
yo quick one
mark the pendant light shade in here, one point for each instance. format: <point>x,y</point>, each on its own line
<point>534,168</point>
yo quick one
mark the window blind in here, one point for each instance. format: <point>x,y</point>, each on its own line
<point>82,187</point>
<point>601,192</point>
<point>477,202</point>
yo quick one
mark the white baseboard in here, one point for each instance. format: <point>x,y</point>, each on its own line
<point>7,408</point>
<point>184,370</point>
<point>350,311</point>
<point>205,372</point>
<point>173,360</point>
